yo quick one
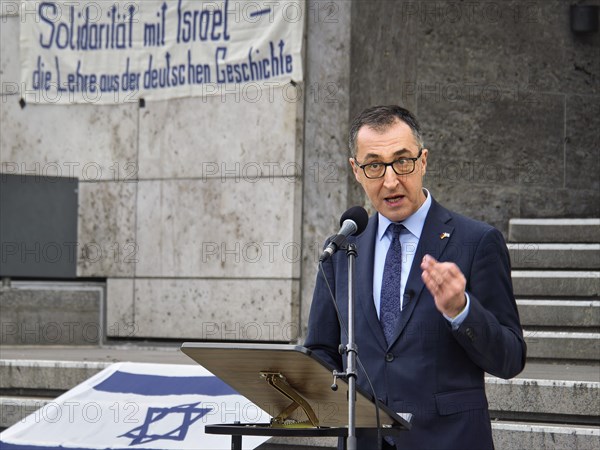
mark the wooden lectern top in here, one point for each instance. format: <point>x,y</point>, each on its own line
<point>243,367</point>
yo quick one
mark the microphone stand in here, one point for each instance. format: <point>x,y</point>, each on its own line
<point>351,351</point>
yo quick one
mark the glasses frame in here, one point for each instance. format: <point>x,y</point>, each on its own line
<point>390,164</point>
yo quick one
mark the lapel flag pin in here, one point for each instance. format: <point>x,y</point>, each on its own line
<point>444,235</point>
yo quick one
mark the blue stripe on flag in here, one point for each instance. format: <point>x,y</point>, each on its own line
<point>5,446</point>
<point>133,383</point>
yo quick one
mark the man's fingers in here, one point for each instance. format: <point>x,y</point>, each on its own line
<point>454,271</point>
<point>431,284</point>
<point>441,276</point>
<point>437,271</point>
<point>436,277</point>
<point>446,283</point>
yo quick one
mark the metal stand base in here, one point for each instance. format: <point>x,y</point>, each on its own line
<point>264,429</point>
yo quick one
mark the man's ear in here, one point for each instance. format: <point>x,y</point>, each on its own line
<point>424,161</point>
<point>355,168</point>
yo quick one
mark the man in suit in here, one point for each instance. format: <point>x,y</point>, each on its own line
<point>435,308</point>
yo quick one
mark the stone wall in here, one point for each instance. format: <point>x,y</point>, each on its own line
<point>508,96</point>
<point>195,210</point>
<point>189,208</point>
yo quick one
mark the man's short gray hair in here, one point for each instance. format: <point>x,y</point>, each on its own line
<point>380,118</point>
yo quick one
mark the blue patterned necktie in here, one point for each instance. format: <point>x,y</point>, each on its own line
<point>389,303</point>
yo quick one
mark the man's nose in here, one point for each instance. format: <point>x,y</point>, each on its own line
<point>390,179</point>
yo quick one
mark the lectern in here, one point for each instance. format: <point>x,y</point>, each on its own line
<point>294,386</point>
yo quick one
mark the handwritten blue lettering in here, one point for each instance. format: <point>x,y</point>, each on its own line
<point>79,81</point>
<point>41,76</point>
<point>116,34</point>
<point>130,81</point>
<point>197,73</point>
<point>163,77</point>
<point>154,33</point>
<point>202,25</point>
<point>254,68</point>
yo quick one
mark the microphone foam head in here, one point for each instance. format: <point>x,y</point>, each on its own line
<point>359,215</point>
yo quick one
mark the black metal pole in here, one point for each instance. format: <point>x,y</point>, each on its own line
<point>351,352</point>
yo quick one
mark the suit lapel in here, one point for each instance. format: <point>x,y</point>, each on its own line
<point>364,276</point>
<point>431,242</point>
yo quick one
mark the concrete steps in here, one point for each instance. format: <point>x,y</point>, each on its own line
<point>552,256</point>
<point>554,230</point>
<point>548,406</point>
<point>555,402</point>
<point>564,313</point>
<point>562,345</point>
<point>45,316</point>
<point>524,435</point>
<point>31,377</point>
<point>544,400</point>
<point>38,370</point>
<point>561,329</point>
<point>46,375</point>
<point>507,435</point>
<point>556,283</point>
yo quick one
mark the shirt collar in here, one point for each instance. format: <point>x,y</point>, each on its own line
<point>413,223</point>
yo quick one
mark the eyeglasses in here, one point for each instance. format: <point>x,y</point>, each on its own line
<point>401,166</point>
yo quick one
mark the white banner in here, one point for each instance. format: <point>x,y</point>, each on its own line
<point>107,52</point>
<point>133,405</point>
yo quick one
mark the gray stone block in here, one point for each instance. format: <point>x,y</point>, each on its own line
<point>562,370</point>
<point>106,229</point>
<point>326,112</point>
<point>563,345</point>
<point>43,375</point>
<point>546,202</point>
<point>554,230</point>
<point>543,397</point>
<point>16,409</point>
<point>51,316</point>
<point>211,229</point>
<point>120,312</point>
<point>381,25</point>
<point>82,141</point>
<point>555,283</point>
<point>583,143</point>
<point>480,142</point>
<point>499,204</point>
<point>554,256</point>
<point>559,313</point>
<point>10,76</point>
<point>475,165</point>
<point>534,436</point>
<point>461,43</point>
<point>216,309</point>
<point>220,137</point>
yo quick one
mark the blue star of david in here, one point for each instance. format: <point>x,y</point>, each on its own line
<point>191,414</point>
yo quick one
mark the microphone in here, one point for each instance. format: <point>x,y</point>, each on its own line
<point>353,222</point>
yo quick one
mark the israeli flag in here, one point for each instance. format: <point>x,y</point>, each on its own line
<point>131,406</point>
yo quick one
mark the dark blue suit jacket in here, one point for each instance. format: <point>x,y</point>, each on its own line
<point>429,370</point>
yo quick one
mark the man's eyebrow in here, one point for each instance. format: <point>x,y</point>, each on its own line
<point>401,152</point>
